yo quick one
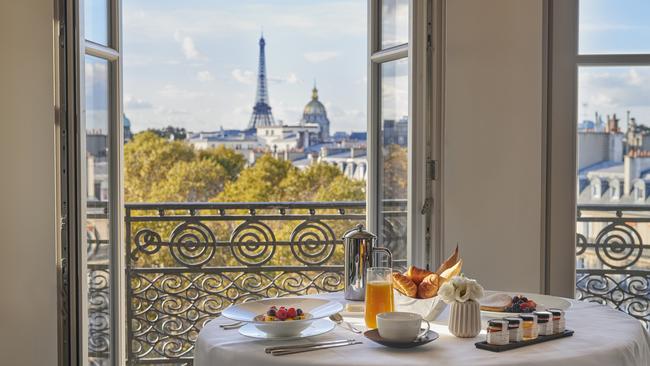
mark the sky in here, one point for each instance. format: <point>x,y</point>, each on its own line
<point>607,27</point>
<point>193,63</point>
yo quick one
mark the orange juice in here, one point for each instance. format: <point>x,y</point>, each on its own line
<point>379,299</point>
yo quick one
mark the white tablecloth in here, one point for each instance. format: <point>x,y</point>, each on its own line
<point>603,336</point>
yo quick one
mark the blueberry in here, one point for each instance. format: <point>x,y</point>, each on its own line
<point>524,299</point>
<point>271,312</point>
<point>299,311</point>
<point>515,299</point>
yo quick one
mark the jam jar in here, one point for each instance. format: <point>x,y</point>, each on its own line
<point>514,329</point>
<point>497,332</point>
<point>544,322</point>
<point>529,326</point>
<point>559,323</point>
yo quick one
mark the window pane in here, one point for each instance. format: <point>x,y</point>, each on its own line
<point>394,23</point>
<point>614,26</point>
<point>96,21</point>
<point>97,216</point>
<point>393,159</point>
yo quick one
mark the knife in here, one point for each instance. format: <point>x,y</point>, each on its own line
<point>325,346</point>
<point>305,345</point>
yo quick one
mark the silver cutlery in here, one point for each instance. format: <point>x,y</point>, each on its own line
<point>231,325</point>
<point>315,348</point>
<point>305,345</point>
<point>338,319</point>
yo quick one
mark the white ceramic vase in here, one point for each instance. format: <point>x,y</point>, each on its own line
<point>465,319</point>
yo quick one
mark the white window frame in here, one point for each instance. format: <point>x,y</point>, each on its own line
<point>74,324</point>
<point>563,62</point>
<point>418,52</point>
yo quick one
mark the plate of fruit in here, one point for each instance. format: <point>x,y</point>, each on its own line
<point>282,317</point>
<point>504,304</point>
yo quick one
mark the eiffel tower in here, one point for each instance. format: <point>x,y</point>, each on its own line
<point>262,116</point>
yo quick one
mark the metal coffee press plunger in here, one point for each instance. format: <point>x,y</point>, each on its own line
<point>359,249</point>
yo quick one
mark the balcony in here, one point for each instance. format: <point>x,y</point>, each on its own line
<point>186,262</point>
<point>612,265</point>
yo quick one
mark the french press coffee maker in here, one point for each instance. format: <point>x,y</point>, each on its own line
<point>359,256</point>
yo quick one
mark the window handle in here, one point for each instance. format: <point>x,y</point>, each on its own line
<point>426,207</point>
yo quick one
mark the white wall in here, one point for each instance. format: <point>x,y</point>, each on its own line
<point>492,158</point>
<point>28,309</point>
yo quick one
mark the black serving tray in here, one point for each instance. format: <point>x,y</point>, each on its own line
<point>512,345</point>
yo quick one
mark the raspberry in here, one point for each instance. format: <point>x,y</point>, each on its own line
<point>291,313</point>
<point>281,314</point>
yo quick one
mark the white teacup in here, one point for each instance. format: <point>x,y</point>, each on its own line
<point>400,326</point>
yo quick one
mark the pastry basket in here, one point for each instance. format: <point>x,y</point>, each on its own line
<point>430,309</point>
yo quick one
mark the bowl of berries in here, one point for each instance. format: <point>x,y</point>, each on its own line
<point>507,304</point>
<point>282,317</point>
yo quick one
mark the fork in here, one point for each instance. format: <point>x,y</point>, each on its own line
<point>338,319</point>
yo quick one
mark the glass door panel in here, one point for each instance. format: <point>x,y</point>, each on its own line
<point>394,23</point>
<point>393,157</point>
<point>97,116</point>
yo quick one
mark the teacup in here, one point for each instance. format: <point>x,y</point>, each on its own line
<point>400,326</point>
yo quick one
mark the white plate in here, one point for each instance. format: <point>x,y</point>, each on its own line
<point>543,302</point>
<point>314,309</point>
<point>317,327</point>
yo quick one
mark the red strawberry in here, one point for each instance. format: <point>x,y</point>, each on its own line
<point>291,313</point>
<point>281,314</point>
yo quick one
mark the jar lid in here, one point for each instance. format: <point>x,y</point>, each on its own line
<point>358,233</point>
<point>512,320</point>
<point>556,312</point>
<point>543,314</point>
<point>528,317</point>
<point>496,322</point>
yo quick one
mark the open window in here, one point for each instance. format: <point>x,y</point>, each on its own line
<point>128,260</point>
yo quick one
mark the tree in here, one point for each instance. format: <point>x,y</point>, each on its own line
<point>232,161</point>
<point>170,132</point>
<point>148,158</point>
<point>301,185</point>
<point>190,181</point>
<point>395,172</point>
<point>258,183</point>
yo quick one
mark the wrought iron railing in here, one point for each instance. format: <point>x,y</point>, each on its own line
<point>186,262</point>
<point>613,264</point>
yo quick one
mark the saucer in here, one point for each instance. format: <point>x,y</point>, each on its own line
<point>374,336</point>
<point>318,327</point>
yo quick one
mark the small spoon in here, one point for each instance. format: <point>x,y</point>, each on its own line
<point>338,319</point>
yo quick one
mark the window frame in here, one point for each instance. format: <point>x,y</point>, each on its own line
<point>563,62</point>
<point>72,175</point>
<point>420,200</point>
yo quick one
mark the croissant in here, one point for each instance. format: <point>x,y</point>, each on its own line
<point>404,285</point>
<point>428,288</point>
<point>417,274</point>
<point>449,262</point>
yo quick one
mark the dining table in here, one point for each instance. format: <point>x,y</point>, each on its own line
<point>603,336</point>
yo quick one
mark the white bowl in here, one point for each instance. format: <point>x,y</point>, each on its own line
<point>313,308</point>
<point>429,309</point>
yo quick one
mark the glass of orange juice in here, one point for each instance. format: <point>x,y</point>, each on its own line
<point>379,294</point>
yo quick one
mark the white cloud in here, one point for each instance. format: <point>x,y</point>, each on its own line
<point>174,92</point>
<point>292,78</point>
<point>188,47</point>
<point>204,76</point>
<point>615,90</point>
<point>243,76</point>
<point>320,56</point>
<point>135,103</point>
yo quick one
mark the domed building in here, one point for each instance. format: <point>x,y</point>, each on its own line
<point>315,112</point>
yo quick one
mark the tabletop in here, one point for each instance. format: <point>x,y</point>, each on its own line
<point>603,336</point>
